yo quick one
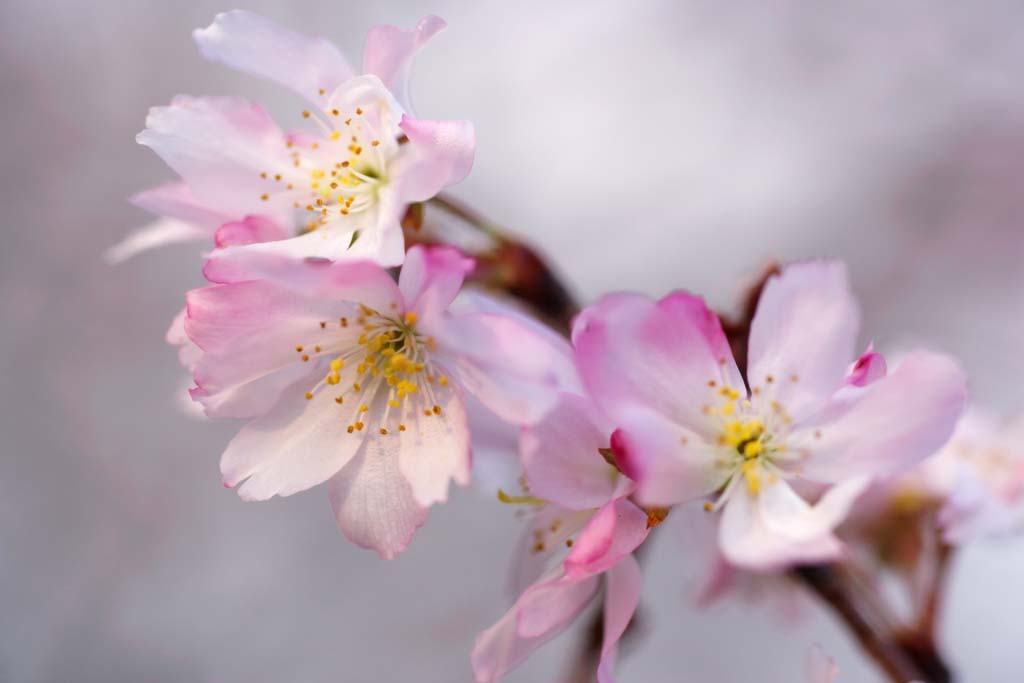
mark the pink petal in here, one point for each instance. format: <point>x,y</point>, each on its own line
<point>175,200</point>
<point>561,456</point>
<point>156,234</point>
<point>747,541</point>
<point>668,462</point>
<point>868,368</point>
<point>219,146</point>
<point>785,513</point>
<point>889,425</point>
<point>373,502</point>
<point>549,606</point>
<point>249,330</point>
<point>511,367</point>
<point>502,647</point>
<point>252,397</point>
<point>622,595</point>
<point>380,241</point>
<point>298,444</point>
<point>614,532</point>
<point>440,154</point>
<point>433,450</point>
<point>803,335</point>
<point>431,277</point>
<point>359,282</point>
<point>249,230</point>
<point>188,353</point>
<point>252,329</point>
<point>658,354</point>
<point>389,51</point>
<point>254,44</point>
<point>530,561</point>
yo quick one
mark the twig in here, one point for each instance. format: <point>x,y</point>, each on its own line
<point>898,657</point>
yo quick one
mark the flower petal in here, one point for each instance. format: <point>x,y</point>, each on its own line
<point>668,462</point>
<point>175,200</point>
<point>374,235</point>
<point>358,282</point>
<point>748,542</point>
<point>503,647</point>
<point>543,541</point>
<point>156,234</point>
<point>887,426</point>
<point>298,444</point>
<point>188,353</point>
<point>389,51</point>
<point>871,366</point>
<point>614,532</point>
<point>433,450</point>
<point>254,44</point>
<point>622,595</point>
<point>551,605</point>
<point>373,502</point>
<point>249,330</point>
<point>219,146</point>
<point>803,334</point>
<point>439,154</point>
<point>785,513</point>
<point>561,456</point>
<point>511,367</point>
<point>432,277</point>
<point>249,230</point>
<point>660,354</point>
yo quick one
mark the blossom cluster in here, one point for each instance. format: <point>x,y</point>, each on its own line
<point>359,360</point>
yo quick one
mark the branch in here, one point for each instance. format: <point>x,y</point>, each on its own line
<point>515,267</point>
<point>873,630</point>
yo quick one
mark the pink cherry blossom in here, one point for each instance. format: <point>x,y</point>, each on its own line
<point>584,528</point>
<point>356,381</point>
<point>339,189</point>
<point>691,426</point>
<point>984,464</point>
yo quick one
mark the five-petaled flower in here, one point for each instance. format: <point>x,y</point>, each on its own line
<point>356,380</point>
<point>337,190</point>
<point>584,528</point>
<point>691,426</point>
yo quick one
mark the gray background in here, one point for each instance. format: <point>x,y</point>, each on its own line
<point>644,146</point>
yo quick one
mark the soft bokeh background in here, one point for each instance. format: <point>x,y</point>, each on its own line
<point>643,145</point>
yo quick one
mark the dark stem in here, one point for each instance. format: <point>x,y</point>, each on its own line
<point>903,660</point>
<point>515,267</point>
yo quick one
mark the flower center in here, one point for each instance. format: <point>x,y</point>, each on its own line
<point>394,377</point>
<point>337,175</point>
<point>748,439</point>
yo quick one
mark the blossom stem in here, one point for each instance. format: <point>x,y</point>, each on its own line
<point>513,266</point>
<point>899,657</point>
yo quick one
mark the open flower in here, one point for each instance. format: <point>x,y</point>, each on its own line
<point>584,528</point>
<point>357,381</point>
<point>690,426</point>
<point>339,189</point>
<point>985,465</point>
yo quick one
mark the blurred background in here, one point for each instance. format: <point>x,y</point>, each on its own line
<point>643,146</point>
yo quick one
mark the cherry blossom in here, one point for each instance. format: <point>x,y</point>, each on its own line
<point>356,381</point>
<point>337,189</point>
<point>584,527</point>
<point>692,426</point>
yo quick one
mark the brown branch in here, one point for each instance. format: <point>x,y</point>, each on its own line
<point>513,266</point>
<point>903,659</point>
